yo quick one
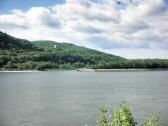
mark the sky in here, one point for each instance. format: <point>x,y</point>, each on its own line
<point>129,28</point>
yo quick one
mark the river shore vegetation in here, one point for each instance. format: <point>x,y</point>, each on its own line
<point>20,54</point>
<point>123,117</point>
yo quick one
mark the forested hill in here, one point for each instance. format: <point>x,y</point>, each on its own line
<point>23,54</point>
<point>9,42</point>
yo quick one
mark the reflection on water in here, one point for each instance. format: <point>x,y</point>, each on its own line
<point>71,98</point>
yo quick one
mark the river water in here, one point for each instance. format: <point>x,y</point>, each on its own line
<point>69,98</point>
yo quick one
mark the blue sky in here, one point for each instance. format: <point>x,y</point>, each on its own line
<point>132,29</point>
<point>7,5</point>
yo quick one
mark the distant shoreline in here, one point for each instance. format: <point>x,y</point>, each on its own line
<point>119,70</point>
<point>13,71</point>
<point>84,70</point>
<point>128,70</point>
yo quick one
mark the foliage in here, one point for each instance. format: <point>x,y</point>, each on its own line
<point>22,54</point>
<point>123,117</point>
<point>102,120</point>
<point>135,64</point>
<point>153,121</point>
<point>16,53</point>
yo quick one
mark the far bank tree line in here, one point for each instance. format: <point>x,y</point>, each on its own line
<point>20,54</point>
<point>135,64</point>
<point>42,61</point>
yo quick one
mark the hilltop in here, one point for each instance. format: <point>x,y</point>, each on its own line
<point>21,54</point>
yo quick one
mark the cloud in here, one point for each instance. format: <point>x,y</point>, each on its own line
<point>137,25</point>
<point>88,29</point>
<point>141,53</point>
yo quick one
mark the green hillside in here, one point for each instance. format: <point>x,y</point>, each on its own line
<point>9,42</point>
<point>23,54</point>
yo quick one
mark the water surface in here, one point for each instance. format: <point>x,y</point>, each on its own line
<point>69,98</point>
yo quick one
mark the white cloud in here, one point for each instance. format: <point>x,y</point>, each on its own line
<point>140,53</point>
<point>104,25</point>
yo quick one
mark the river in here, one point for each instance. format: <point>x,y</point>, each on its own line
<point>71,98</point>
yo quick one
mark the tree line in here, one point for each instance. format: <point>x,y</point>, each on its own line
<point>135,64</point>
<point>20,54</point>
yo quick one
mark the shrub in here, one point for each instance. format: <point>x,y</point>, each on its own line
<point>123,117</point>
<point>153,121</point>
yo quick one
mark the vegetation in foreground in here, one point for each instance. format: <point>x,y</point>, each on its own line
<point>20,54</point>
<point>123,117</point>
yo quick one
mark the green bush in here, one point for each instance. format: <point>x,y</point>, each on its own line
<point>153,121</point>
<point>123,117</point>
<point>102,120</point>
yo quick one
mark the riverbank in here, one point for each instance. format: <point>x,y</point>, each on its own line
<point>118,70</point>
<point>128,70</point>
<point>13,71</point>
<point>87,70</point>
